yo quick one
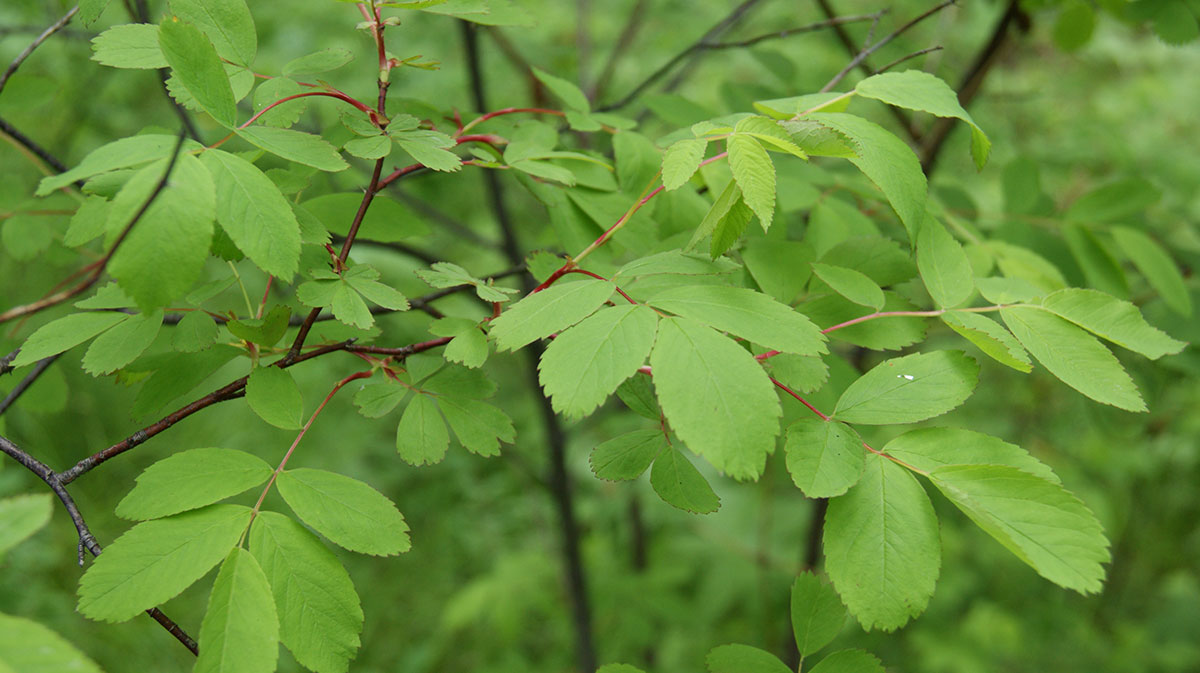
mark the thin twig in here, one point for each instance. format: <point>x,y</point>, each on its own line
<point>21,387</point>
<point>862,55</point>
<point>25,53</point>
<point>31,145</point>
<point>915,54</point>
<point>633,22</point>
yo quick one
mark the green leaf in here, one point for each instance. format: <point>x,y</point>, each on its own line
<point>918,90</point>
<point>637,161</point>
<point>421,437</point>
<point>179,373</point>
<point>363,279</point>
<point>825,458</point>
<point>123,153</point>
<point>373,147</point>
<point>627,456</point>
<point>1114,201</point>
<point>1074,25</point>
<point>386,220</point>
<point>566,91</point>
<point>154,561</point>
<point>90,10</point>
<point>273,396</point>
<point>348,512</point>
<point>195,331</point>
<point>801,373</point>
<point>755,176</point>
<point>319,614</point>
<point>891,333</point>
<point>120,345</point>
<point>817,613</point>
<point>849,661</point>
<point>887,161</point>
<point>318,62</point>
<point>851,284</point>
<point>882,549</point>
<point>1099,266</point>
<point>21,516</point>
<point>240,631</point>
<point>716,396</point>
<point>469,348</point>
<point>680,484</point>
<point>1156,265</point>
<point>638,394</point>
<point>909,389</point>
<point>255,214</point>
<point>1008,290</point>
<point>198,67</point>
<point>89,221</point>
<point>586,363</point>
<point>297,146</point>
<point>227,23</point>
<point>730,228</point>
<point>930,448</point>
<point>1113,319</point>
<point>944,266</point>
<point>743,659</point>
<point>454,381</point>
<point>133,45</point>
<point>445,274</point>
<point>770,132</point>
<point>729,197</point>
<point>1024,264</point>
<point>1039,521</point>
<point>429,148</point>
<point>1074,356</point>
<point>190,480</point>
<point>780,268</point>
<point>283,115</point>
<point>681,161</point>
<point>991,338</point>
<point>544,313</point>
<point>28,647</point>
<point>264,331</point>
<point>479,427</point>
<point>64,334</point>
<point>745,313</point>
<point>348,307</point>
<point>377,399</point>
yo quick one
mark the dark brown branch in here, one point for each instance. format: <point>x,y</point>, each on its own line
<point>909,57</point>
<point>25,53</point>
<point>6,361</point>
<point>31,145</point>
<point>862,55</point>
<point>15,393</point>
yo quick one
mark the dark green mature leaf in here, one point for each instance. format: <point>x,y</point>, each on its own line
<point>273,395</point>
<point>28,647</point>
<point>154,561</point>
<point>745,313</point>
<point>198,67</point>
<point>909,389</point>
<point>240,631</point>
<point>348,512</point>
<point>264,331</point>
<point>638,394</point>
<point>227,23</point>
<point>1041,522</point>
<point>133,45</point>
<point>120,345</point>
<point>586,363</point>
<point>64,334</point>
<point>544,313</point>
<point>681,160</point>
<point>754,174</point>
<point>1157,266</point>
<point>930,448</point>
<point>850,284</point>
<point>22,516</point>
<point>882,549</point>
<point>319,613</point>
<point>297,146</point>
<point>421,437</point>
<point>680,484</point>
<point>1074,356</point>
<point>627,456</point>
<point>825,458</point>
<point>743,659</point>
<point>255,214</point>
<point>1113,319</point>
<point>944,266</point>
<point>190,480</point>
<point>817,613</point>
<point>479,427</point>
<point>991,338</point>
<point>716,397</point>
<point>123,153</point>
<point>849,661</point>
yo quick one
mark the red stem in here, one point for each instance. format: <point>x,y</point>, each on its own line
<point>328,94</point>
<point>599,277</point>
<point>799,399</point>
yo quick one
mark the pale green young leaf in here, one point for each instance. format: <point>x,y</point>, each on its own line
<point>627,456</point>
<point>429,148</point>
<point>825,458</point>
<point>64,334</point>
<point>817,613</point>
<point>1074,356</point>
<point>29,647</point>
<point>728,198</point>
<point>1155,264</point>
<point>318,62</point>
<point>738,658</point>
<point>887,161</point>
<point>348,512</point>
<point>297,146</point>
<point>132,45</point>
<point>155,560</point>
<point>681,160</point>
<point>421,437</point>
<point>190,480</point>
<point>120,345</point>
<point>1039,521</point>
<point>930,448</point>
<point>240,631</point>
<point>273,396</point>
<point>849,661</point>
<point>566,91</point>
<point>919,90</point>
<point>348,306</point>
<point>1113,319</point>
<point>446,274</point>
<point>882,549</point>
<point>21,516</point>
<point>479,427</point>
<point>745,313</point>
<point>264,331</point>
<point>851,284</point>
<point>680,484</point>
<point>469,348</point>
<point>1100,268</point>
<point>198,67</point>
<point>227,23</point>
<point>780,268</point>
<point>544,313</point>
<point>255,214</point>
<point>319,614</point>
<point>716,396</point>
<point>991,338</point>
<point>195,331</point>
<point>123,153</point>
<point>378,293</point>
<point>730,228</point>
<point>637,393</point>
<point>586,363</point>
<point>755,175</point>
<point>909,389</point>
<point>944,266</point>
